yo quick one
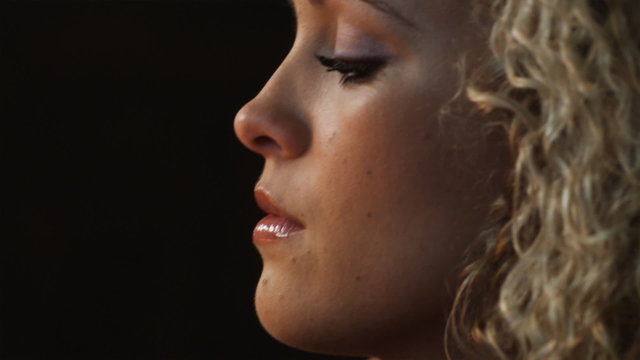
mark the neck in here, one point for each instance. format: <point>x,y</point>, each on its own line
<point>428,346</point>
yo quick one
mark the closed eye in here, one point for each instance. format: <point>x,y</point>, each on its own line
<point>353,70</point>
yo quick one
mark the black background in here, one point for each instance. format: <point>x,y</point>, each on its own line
<point>128,198</point>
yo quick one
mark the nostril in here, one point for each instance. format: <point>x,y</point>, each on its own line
<point>262,140</point>
<point>266,143</point>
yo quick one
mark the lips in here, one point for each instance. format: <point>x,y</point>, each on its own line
<point>276,225</point>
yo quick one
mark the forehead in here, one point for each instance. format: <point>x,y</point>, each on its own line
<point>415,14</point>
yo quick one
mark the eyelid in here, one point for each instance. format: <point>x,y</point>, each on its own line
<point>353,42</point>
<point>354,60</point>
<point>353,70</point>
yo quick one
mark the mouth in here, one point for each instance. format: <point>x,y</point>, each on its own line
<point>277,224</point>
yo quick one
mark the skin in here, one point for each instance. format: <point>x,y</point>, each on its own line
<point>390,192</point>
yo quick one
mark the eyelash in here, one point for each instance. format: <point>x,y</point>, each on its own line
<point>352,71</point>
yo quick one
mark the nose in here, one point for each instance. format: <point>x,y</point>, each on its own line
<point>270,125</point>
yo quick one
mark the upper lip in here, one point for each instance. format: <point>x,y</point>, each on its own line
<point>269,205</point>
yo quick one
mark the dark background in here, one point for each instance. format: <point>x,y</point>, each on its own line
<point>126,198</point>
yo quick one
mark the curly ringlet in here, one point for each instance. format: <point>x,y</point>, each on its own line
<point>558,276</point>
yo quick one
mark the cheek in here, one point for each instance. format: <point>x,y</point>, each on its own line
<point>391,186</point>
<point>379,192</point>
<point>376,156</point>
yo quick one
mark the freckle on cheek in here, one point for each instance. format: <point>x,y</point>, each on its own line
<point>369,214</point>
<point>426,135</point>
<point>294,260</point>
<point>264,282</point>
<point>369,172</point>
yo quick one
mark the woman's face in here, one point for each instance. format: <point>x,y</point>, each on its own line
<point>374,191</point>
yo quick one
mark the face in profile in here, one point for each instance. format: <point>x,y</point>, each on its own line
<point>373,192</point>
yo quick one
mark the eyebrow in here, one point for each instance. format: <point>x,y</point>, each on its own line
<point>379,5</point>
<point>389,10</point>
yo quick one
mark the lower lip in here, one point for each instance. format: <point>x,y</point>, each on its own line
<point>273,228</point>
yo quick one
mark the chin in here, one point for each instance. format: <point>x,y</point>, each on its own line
<point>305,325</point>
<point>289,321</point>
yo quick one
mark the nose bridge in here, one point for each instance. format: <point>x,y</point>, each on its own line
<point>271,123</point>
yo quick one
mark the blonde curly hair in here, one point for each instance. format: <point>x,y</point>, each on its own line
<point>559,273</point>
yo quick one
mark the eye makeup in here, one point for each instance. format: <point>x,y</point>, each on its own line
<point>357,56</point>
<point>352,42</point>
<point>352,71</point>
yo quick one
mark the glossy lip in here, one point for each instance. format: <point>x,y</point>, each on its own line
<point>269,206</point>
<point>277,223</point>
